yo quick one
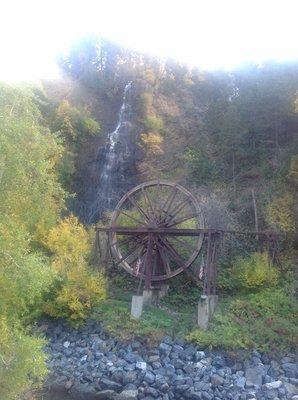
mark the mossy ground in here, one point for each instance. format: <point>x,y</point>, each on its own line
<point>264,320</point>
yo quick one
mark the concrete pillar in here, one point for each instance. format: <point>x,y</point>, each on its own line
<point>163,291</point>
<point>206,308</point>
<point>147,297</point>
<point>155,294</point>
<point>136,306</point>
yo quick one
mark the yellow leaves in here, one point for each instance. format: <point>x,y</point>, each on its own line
<point>255,271</point>
<point>69,243</point>
<point>78,288</point>
<point>280,213</point>
<point>80,292</point>
<point>153,142</point>
<point>22,361</point>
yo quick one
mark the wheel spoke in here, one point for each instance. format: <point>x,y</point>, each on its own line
<point>179,260</point>
<point>125,241</point>
<point>137,205</point>
<point>183,219</point>
<point>123,258</point>
<point>164,259</point>
<point>147,198</point>
<point>170,200</point>
<point>131,217</point>
<point>189,246</point>
<point>180,208</point>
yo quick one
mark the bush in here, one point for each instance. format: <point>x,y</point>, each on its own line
<point>254,272</point>
<point>264,320</point>
<point>153,123</point>
<point>76,289</point>
<point>22,361</point>
<point>74,296</point>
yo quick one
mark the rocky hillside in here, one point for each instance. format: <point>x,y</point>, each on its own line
<point>229,135</point>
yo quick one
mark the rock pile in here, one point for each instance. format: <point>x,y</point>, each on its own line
<point>90,364</point>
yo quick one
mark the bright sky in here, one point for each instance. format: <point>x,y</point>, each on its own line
<point>207,33</point>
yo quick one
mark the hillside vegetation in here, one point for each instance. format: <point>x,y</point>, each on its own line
<point>230,137</point>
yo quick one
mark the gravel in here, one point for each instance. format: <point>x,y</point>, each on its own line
<point>89,363</point>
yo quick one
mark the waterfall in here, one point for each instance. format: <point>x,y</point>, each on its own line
<point>117,150</point>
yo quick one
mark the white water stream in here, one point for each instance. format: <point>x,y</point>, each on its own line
<point>114,156</point>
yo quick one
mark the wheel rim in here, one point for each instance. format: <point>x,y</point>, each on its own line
<point>162,205</point>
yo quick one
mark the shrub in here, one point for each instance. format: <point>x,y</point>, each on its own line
<point>254,272</point>
<point>22,361</point>
<point>264,320</point>
<point>75,296</point>
<point>280,213</point>
<point>153,123</point>
<point>76,289</point>
<point>69,244</point>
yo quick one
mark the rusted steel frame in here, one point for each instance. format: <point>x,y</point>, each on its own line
<point>178,231</point>
<point>211,265</point>
<point>148,277</point>
<point>141,274</point>
<point>165,261</point>
<point>215,252</point>
<point>206,289</point>
<point>271,242</point>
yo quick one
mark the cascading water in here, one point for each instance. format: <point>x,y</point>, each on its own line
<point>112,178</point>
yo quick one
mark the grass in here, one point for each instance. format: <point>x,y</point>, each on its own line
<point>155,322</point>
<point>264,319</point>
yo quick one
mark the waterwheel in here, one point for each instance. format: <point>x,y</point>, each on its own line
<point>151,231</point>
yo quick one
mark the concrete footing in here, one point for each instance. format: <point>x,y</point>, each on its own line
<point>206,308</point>
<point>149,297</point>
<point>136,306</point>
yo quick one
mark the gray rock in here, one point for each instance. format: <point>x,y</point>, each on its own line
<point>149,377</point>
<point>108,384</point>
<point>199,355</point>
<point>169,370</point>
<point>164,387</point>
<point>152,392</point>
<point>181,388</point>
<point>129,377</point>
<point>127,395</point>
<point>290,388</point>
<point>141,365</point>
<point>153,359</point>
<point>192,395</point>
<point>206,396</point>
<point>290,369</point>
<point>217,380</point>
<point>240,382</point>
<point>81,391</point>
<point>253,377</point>
<point>165,348</point>
<point>104,395</point>
<point>273,385</point>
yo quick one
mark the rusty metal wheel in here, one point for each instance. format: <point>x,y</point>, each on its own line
<point>148,226</point>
